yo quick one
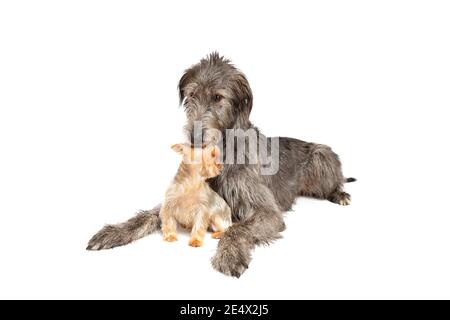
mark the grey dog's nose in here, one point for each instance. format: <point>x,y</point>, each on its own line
<point>197,138</point>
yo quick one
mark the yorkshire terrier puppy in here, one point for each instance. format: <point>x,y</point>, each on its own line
<point>189,199</point>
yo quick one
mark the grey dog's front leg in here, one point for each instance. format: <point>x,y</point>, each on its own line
<point>263,226</point>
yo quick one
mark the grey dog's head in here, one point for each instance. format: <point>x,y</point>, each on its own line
<point>216,96</point>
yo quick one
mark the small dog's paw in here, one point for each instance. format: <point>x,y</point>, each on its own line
<point>195,243</point>
<point>170,238</point>
<point>217,235</point>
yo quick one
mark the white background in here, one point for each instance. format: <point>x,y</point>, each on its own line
<point>88,111</point>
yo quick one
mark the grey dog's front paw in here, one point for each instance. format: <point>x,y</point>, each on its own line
<point>231,260</point>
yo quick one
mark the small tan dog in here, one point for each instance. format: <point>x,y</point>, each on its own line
<point>190,201</point>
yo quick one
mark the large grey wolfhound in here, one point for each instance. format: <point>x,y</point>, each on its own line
<point>218,96</point>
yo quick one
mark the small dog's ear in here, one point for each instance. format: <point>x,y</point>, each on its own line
<point>179,147</point>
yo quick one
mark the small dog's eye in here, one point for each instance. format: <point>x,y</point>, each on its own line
<point>218,97</point>
<point>191,94</point>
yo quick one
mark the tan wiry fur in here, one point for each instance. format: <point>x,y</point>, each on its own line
<point>190,202</point>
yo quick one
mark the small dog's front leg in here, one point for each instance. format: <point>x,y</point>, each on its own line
<point>168,226</point>
<point>217,234</point>
<point>198,231</point>
<point>220,222</point>
<point>169,230</point>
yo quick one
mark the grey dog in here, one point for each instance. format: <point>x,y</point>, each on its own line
<point>218,95</point>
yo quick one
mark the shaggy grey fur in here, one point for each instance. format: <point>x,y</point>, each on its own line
<point>219,95</point>
<point>142,224</point>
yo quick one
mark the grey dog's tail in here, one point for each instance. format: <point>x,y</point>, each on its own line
<point>144,223</point>
<point>349,180</point>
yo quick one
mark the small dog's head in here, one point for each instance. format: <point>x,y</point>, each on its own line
<point>216,96</point>
<point>204,160</point>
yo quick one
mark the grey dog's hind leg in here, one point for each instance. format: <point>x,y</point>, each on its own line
<point>322,176</point>
<point>110,236</point>
<point>340,197</point>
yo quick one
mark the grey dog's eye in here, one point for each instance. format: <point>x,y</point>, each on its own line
<point>218,97</point>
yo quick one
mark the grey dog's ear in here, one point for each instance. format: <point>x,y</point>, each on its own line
<point>243,92</point>
<point>182,84</point>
